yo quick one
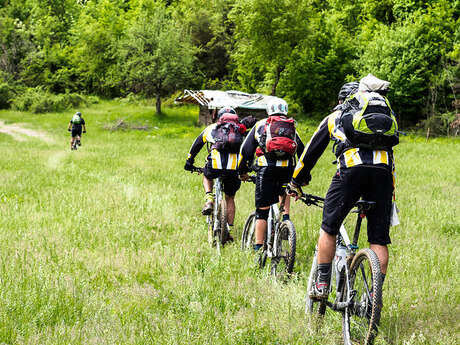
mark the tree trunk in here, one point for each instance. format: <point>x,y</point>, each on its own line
<point>278,72</point>
<point>158,103</point>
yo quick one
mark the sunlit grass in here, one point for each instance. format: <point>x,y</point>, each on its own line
<point>106,245</point>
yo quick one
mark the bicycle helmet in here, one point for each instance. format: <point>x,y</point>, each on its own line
<point>347,89</point>
<point>78,113</point>
<point>277,106</point>
<point>225,110</point>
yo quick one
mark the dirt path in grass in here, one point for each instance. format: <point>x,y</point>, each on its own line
<point>20,133</point>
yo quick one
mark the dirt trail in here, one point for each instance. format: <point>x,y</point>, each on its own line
<point>20,133</point>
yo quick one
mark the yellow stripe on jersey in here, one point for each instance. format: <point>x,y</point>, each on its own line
<point>240,158</point>
<point>282,163</point>
<point>380,157</point>
<point>207,134</point>
<point>262,161</point>
<point>215,157</point>
<point>331,123</point>
<point>232,160</point>
<point>352,157</point>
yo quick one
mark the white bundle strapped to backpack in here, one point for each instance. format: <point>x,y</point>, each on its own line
<point>371,83</point>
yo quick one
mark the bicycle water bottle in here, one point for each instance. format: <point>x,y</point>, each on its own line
<point>340,262</point>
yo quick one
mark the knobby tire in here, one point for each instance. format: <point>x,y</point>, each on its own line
<point>285,239</point>
<point>248,236</point>
<point>360,321</point>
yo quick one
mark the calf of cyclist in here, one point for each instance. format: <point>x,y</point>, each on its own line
<point>360,172</point>
<point>219,164</point>
<point>76,125</point>
<point>272,174</point>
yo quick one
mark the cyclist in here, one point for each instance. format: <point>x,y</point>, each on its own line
<point>220,162</point>
<point>274,167</point>
<point>361,172</point>
<point>75,126</point>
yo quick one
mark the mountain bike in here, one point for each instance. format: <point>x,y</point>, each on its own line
<point>356,282</point>
<point>280,240</point>
<point>217,220</point>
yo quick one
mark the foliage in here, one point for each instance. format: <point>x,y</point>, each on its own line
<point>37,100</point>
<point>411,55</point>
<point>6,94</point>
<point>156,57</point>
<point>303,50</point>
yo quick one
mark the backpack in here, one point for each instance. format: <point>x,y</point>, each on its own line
<point>227,134</point>
<point>76,120</point>
<point>368,122</point>
<point>278,138</point>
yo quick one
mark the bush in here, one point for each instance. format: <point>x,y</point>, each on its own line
<point>38,100</point>
<point>6,93</point>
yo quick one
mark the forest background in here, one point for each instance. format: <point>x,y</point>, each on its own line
<point>58,54</point>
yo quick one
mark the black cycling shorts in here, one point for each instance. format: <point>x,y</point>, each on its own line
<point>269,184</point>
<point>347,187</point>
<point>230,181</point>
<point>76,132</point>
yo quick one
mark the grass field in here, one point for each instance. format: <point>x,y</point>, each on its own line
<point>106,245</point>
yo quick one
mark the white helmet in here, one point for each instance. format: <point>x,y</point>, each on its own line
<point>277,106</point>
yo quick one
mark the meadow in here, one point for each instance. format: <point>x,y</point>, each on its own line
<point>106,245</point>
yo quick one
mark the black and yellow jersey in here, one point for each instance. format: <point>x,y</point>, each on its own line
<point>348,157</point>
<point>216,159</point>
<point>249,147</point>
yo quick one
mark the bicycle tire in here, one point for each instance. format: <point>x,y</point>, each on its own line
<point>360,320</point>
<point>313,307</point>
<point>211,239</point>
<point>248,235</point>
<point>285,240</point>
<point>222,232</point>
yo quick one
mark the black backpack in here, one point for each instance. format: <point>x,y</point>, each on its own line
<point>227,134</point>
<point>368,122</point>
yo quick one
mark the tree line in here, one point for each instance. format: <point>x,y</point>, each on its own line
<point>301,50</point>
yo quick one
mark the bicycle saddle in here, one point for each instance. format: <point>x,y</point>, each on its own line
<point>364,205</point>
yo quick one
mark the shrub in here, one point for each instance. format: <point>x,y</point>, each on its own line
<point>6,94</point>
<point>38,100</point>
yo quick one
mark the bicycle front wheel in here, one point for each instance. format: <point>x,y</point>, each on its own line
<point>285,247</point>
<point>360,320</point>
<point>248,238</point>
<point>314,307</point>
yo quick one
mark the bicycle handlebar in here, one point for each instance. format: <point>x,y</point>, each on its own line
<point>310,199</point>
<point>196,170</point>
<point>307,199</point>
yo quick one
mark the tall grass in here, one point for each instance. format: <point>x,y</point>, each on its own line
<point>106,245</point>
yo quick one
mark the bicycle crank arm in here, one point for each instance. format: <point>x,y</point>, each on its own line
<point>340,306</point>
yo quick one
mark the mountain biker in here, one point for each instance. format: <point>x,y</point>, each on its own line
<point>75,126</point>
<point>220,163</point>
<point>361,172</point>
<point>272,172</point>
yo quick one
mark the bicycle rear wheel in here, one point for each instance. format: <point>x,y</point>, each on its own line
<point>210,221</point>
<point>360,320</point>
<point>314,307</point>
<point>248,238</point>
<point>222,231</point>
<point>285,244</point>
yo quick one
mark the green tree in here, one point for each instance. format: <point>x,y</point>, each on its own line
<point>414,55</point>
<point>266,33</point>
<point>156,56</point>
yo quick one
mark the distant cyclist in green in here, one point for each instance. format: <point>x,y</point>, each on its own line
<point>76,125</point>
